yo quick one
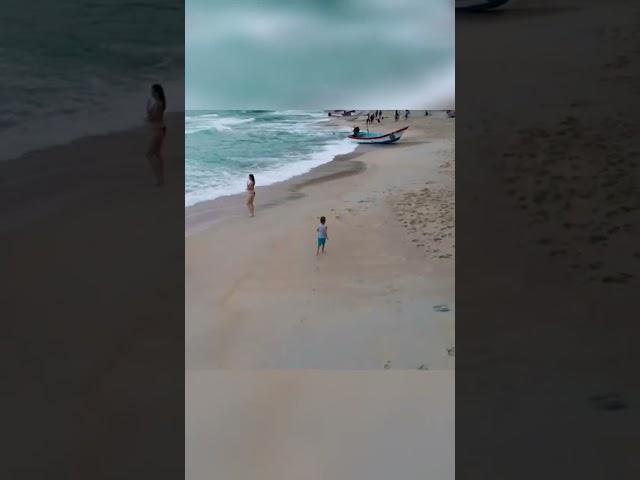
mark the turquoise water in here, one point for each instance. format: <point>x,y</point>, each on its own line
<point>77,67</point>
<point>363,54</point>
<point>224,146</point>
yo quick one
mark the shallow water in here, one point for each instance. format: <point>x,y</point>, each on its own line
<point>224,146</point>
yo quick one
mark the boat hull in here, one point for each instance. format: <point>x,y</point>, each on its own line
<point>372,139</point>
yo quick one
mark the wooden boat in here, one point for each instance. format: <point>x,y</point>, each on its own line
<point>370,137</point>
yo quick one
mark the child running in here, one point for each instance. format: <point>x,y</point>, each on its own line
<point>322,235</point>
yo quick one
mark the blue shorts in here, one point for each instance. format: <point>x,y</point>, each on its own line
<point>321,242</point>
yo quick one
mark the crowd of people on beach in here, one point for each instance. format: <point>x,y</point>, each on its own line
<point>406,115</point>
<point>378,116</point>
<point>373,116</point>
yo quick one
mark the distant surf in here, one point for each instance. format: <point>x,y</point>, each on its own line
<point>223,147</point>
<point>63,89</point>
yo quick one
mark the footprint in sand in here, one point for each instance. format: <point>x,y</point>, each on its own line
<point>387,365</point>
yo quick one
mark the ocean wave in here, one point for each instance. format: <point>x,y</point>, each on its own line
<point>204,187</point>
<point>296,113</point>
<point>213,122</point>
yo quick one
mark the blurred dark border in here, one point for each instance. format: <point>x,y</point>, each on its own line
<point>547,253</point>
<point>92,297</point>
<point>93,382</point>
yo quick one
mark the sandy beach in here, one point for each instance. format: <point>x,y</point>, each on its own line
<point>94,254</point>
<point>320,425</point>
<point>381,297</point>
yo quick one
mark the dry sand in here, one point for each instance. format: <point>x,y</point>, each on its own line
<point>382,296</point>
<point>319,425</point>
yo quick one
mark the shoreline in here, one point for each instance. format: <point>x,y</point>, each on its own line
<point>204,214</point>
<point>333,145</point>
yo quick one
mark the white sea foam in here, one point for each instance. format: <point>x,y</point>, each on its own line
<point>213,122</point>
<point>297,166</point>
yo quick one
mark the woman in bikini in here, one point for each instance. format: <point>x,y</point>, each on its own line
<point>155,118</point>
<point>251,194</point>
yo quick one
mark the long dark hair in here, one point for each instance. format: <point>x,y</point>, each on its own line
<point>159,91</point>
<point>252,178</point>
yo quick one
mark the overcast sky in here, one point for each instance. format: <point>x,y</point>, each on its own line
<point>320,54</point>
